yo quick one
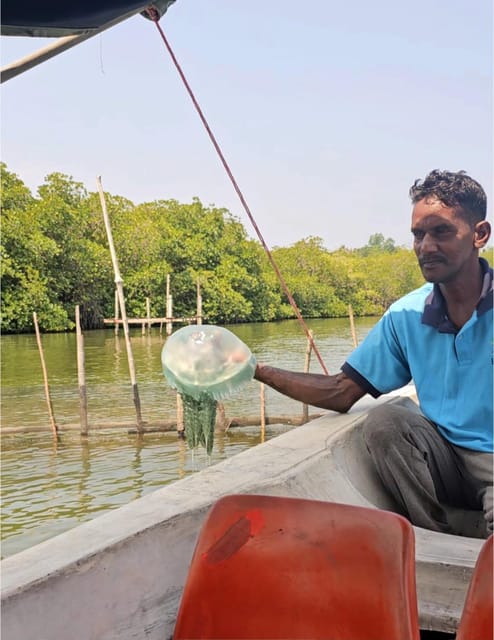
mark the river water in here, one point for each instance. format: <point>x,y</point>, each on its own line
<point>49,485</point>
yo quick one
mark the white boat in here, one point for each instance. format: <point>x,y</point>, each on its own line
<point>122,574</point>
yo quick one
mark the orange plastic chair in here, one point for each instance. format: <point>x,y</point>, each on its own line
<point>288,568</point>
<point>476,621</point>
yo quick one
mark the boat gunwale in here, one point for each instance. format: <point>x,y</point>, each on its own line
<point>274,467</point>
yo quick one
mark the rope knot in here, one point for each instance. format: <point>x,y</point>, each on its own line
<point>152,13</point>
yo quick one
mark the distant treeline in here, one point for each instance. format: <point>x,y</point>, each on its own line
<point>55,256</point>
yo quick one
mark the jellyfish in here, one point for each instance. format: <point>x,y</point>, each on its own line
<point>205,363</point>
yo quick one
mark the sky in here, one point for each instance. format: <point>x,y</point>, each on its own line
<point>325,111</point>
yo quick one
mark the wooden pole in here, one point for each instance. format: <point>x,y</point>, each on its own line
<point>199,303</point>
<point>352,326</point>
<point>148,313</point>
<point>45,377</point>
<point>263,411</point>
<point>116,312</point>
<point>180,417</point>
<point>81,374</point>
<point>182,458</point>
<point>121,302</point>
<point>305,407</point>
<point>61,44</point>
<point>169,307</point>
<point>222,423</point>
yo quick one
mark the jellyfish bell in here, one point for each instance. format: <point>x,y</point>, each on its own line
<point>205,363</point>
<point>200,359</point>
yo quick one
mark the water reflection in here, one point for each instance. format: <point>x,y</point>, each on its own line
<point>136,466</point>
<point>83,488</point>
<point>48,488</point>
<point>52,484</point>
<point>181,458</point>
<point>109,390</point>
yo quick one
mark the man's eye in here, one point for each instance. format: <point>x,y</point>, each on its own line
<point>441,231</point>
<point>418,235</point>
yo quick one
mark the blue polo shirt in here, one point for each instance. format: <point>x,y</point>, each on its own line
<point>451,369</point>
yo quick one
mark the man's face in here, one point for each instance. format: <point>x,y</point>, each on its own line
<point>443,241</point>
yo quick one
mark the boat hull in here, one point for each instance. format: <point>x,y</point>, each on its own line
<point>122,574</point>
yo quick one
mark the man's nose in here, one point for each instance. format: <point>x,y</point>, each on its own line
<point>428,244</point>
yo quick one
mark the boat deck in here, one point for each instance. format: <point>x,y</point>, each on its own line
<point>121,575</point>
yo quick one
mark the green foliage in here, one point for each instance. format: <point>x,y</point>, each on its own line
<point>377,244</point>
<point>388,277</point>
<point>26,255</point>
<point>324,284</point>
<point>306,268</point>
<point>55,256</point>
<point>487,254</point>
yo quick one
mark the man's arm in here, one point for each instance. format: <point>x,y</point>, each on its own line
<point>338,392</point>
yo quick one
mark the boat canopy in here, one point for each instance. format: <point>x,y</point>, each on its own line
<point>57,18</point>
<point>69,22</point>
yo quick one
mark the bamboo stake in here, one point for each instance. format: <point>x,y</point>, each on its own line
<point>222,423</point>
<point>305,407</point>
<point>121,301</point>
<point>116,312</point>
<point>180,417</point>
<point>148,313</point>
<point>352,326</point>
<point>182,458</point>
<point>81,374</point>
<point>169,307</point>
<point>145,320</point>
<point>263,411</point>
<point>169,326</point>
<point>45,377</point>
<point>199,303</point>
<point>166,426</point>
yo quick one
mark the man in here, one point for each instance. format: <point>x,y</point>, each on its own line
<point>440,336</point>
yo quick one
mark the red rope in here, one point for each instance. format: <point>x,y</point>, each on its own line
<point>153,14</point>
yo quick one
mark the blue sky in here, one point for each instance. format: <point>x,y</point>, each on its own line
<point>326,111</point>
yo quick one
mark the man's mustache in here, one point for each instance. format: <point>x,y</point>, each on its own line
<point>431,260</point>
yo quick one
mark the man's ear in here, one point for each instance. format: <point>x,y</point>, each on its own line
<point>481,235</point>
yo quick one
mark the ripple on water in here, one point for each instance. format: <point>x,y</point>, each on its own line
<point>48,487</point>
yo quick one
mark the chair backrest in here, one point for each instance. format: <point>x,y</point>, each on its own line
<point>476,622</point>
<point>271,567</point>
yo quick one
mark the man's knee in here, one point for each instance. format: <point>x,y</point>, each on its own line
<point>383,425</point>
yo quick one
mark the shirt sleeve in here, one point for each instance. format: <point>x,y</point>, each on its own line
<point>379,365</point>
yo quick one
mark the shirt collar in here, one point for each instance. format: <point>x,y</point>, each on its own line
<point>435,311</point>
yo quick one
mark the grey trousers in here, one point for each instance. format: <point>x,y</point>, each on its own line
<point>423,471</point>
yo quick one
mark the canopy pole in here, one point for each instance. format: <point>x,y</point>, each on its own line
<point>32,60</point>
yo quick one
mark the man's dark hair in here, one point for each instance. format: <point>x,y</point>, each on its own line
<point>455,190</point>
